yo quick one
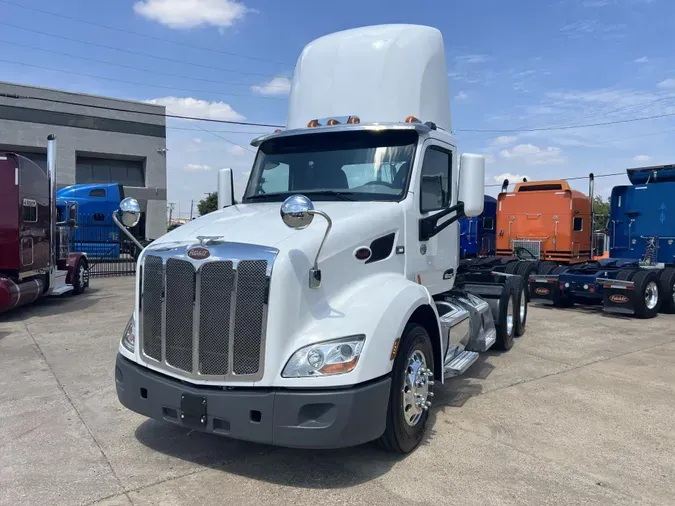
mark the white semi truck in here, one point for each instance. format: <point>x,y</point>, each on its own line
<point>325,309</point>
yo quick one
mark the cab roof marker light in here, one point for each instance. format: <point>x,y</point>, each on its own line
<point>353,120</point>
<point>313,123</point>
<point>412,119</point>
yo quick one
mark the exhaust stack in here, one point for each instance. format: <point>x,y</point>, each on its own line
<point>591,190</point>
<point>51,174</point>
<point>505,185</point>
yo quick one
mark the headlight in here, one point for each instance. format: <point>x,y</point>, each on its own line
<point>129,336</point>
<point>328,358</point>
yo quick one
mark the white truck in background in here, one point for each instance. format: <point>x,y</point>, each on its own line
<point>325,309</point>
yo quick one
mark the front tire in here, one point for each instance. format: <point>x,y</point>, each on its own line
<point>410,394</point>
<point>81,277</point>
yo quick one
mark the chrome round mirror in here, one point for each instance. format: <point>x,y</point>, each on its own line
<point>130,212</point>
<point>296,211</point>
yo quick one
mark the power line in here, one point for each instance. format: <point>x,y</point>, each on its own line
<point>137,53</point>
<point>217,131</point>
<point>223,138</point>
<point>154,37</point>
<point>136,83</point>
<point>132,67</point>
<point>568,127</point>
<point>117,109</point>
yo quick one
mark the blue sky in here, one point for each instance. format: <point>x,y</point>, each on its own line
<point>513,66</point>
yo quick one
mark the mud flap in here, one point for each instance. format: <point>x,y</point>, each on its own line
<point>544,289</point>
<point>618,296</point>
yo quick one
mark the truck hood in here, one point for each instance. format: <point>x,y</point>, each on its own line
<point>261,224</point>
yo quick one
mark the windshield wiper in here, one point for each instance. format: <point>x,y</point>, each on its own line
<point>331,193</point>
<point>263,196</point>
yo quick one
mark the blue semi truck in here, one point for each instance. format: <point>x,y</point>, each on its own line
<point>638,278</point>
<point>92,206</point>
<point>477,235</point>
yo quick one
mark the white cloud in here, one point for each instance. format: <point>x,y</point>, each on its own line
<point>595,3</point>
<point>667,84</point>
<point>472,58</point>
<point>461,96</point>
<point>197,140</point>
<point>642,59</point>
<point>197,108</point>
<point>237,150</point>
<point>503,140</point>
<point>513,178</point>
<point>642,158</point>
<point>593,27</point>
<point>184,14</point>
<point>533,155</point>
<point>276,86</point>
<point>194,167</point>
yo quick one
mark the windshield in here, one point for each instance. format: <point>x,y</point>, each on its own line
<point>358,165</point>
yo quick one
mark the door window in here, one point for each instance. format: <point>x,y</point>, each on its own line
<point>435,184</point>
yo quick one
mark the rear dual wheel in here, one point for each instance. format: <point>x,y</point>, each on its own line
<point>507,319</point>
<point>667,279</point>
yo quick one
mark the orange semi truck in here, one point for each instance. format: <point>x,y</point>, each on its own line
<point>547,219</point>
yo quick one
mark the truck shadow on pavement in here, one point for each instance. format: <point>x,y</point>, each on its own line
<point>594,309</point>
<point>317,469</point>
<point>314,469</point>
<point>57,305</point>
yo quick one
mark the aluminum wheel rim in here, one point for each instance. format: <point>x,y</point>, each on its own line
<point>651,295</point>
<point>523,305</point>
<point>416,383</point>
<point>673,293</point>
<point>509,317</point>
<point>82,280</point>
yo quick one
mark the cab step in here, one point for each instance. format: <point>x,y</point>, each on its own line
<point>460,363</point>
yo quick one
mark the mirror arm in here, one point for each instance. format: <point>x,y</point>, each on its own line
<point>124,229</point>
<point>429,226</point>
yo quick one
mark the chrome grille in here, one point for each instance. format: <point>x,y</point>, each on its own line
<point>217,283</point>
<point>248,316</point>
<point>534,247</point>
<point>180,296</point>
<point>153,301</point>
<point>207,318</point>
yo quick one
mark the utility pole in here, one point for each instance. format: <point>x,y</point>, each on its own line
<point>171,207</point>
<point>192,203</point>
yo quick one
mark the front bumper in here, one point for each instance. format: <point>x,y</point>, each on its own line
<point>317,418</point>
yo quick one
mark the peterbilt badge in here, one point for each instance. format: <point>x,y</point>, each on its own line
<point>198,253</point>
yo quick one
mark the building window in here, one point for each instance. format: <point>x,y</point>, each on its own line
<point>435,184</point>
<point>104,170</point>
<point>578,224</point>
<point>30,211</point>
<point>488,223</point>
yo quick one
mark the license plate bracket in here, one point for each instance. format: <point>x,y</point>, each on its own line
<point>193,410</point>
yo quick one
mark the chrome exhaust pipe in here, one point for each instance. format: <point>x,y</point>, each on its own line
<point>51,174</point>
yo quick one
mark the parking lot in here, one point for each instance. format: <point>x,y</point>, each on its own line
<point>580,411</point>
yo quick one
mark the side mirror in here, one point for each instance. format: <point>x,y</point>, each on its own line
<point>297,212</point>
<point>472,184</point>
<point>225,188</point>
<point>130,212</point>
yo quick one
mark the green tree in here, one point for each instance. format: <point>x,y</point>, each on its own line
<point>209,204</point>
<point>601,210</point>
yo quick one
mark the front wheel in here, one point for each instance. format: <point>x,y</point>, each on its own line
<point>81,277</point>
<point>411,391</point>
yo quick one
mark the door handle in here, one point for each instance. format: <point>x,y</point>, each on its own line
<point>449,274</point>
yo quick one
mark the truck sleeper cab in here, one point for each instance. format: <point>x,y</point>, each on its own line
<point>477,235</point>
<point>322,310</point>
<point>638,278</point>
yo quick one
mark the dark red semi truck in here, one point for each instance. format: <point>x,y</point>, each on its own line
<point>35,260</point>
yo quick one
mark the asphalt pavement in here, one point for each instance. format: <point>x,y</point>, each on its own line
<point>580,411</point>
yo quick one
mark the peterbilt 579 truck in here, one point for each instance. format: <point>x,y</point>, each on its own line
<point>325,309</point>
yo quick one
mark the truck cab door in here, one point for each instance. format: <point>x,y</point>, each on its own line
<point>439,254</point>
